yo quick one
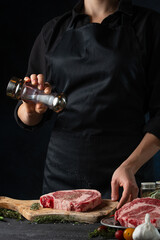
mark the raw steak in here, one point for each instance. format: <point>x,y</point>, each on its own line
<point>133,213</point>
<point>72,200</point>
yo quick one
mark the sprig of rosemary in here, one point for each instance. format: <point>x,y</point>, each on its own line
<point>10,214</point>
<point>107,233</point>
<point>35,206</point>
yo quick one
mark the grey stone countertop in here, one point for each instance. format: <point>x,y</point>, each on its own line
<point>12,229</point>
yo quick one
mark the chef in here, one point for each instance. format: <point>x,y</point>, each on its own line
<point>104,55</point>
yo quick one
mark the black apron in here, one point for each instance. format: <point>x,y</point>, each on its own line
<point>101,124</point>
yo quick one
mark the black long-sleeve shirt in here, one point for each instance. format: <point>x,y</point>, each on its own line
<point>146,24</point>
<point>125,89</point>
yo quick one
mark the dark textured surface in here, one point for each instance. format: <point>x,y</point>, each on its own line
<point>23,230</point>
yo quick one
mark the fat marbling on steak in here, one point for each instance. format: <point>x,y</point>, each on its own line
<point>133,213</point>
<point>80,200</point>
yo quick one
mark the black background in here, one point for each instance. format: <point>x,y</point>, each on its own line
<point>22,153</point>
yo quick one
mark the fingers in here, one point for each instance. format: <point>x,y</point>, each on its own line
<point>40,81</point>
<point>36,80</point>
<point>114,190</point>
<point>124,177</point>
<point>125,197</point>
<point>47,88</point>
<point>27,79</point>
<point>130,192</point>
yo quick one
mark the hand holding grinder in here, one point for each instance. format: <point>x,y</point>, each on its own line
<point>19,89</point>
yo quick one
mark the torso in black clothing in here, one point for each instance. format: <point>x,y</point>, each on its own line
<point>102,70</point>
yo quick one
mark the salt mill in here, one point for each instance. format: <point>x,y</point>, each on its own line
<point>19,89</point>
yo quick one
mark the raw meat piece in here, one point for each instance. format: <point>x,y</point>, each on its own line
<point>133,213</point>
<point>80,200</point>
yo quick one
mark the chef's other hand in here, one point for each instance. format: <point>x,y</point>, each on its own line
<point>124,177</point>
<point>37,80</point>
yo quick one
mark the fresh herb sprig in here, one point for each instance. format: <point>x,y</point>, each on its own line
<point>35,206</point>
<point>53,219</point>
<point>102,231</point>
<point>6,213</point>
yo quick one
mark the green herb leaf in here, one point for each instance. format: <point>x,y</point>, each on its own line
<point>10,214</point>
<point>50,219</point>
<point>155,194</point>
<point>108,233</point>
<point>1,218</point>
<point>35,206</point>
<point>94,234</point>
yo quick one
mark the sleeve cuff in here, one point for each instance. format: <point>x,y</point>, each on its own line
<point>153,126</point>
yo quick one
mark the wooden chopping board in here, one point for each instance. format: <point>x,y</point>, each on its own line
<point>23,207</point>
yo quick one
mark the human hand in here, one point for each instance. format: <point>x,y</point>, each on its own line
<point>37,80</point>
<point>124,177</point>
